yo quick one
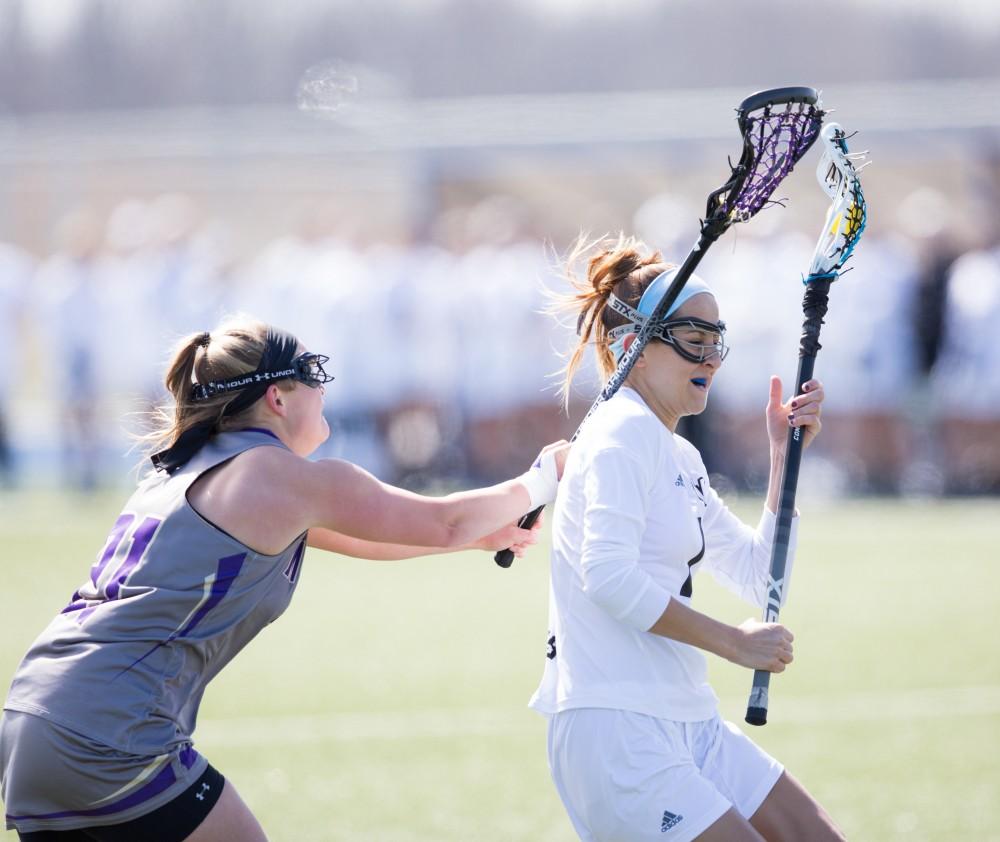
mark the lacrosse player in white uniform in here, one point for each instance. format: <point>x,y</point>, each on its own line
<point>636,746</point>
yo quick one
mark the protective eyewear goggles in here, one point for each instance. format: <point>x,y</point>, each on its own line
<point>305,368</point>
<point>696,340</point>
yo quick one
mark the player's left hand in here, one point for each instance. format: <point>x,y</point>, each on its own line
<point>799,411</point>
<point>512,536</point>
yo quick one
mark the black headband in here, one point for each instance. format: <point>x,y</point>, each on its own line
<point>279,351</point>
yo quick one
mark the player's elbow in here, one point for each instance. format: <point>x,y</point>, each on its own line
<point>452,525</point>
<point>449,533</point>
<point>615,592</point>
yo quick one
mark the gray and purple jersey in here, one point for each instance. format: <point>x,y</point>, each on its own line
<point>168,603</point>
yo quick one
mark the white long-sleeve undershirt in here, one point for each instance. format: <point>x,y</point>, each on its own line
<point>634,521</point>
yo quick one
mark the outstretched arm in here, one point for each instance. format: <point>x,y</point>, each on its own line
<point>268,497</point>
<point>519,540</point>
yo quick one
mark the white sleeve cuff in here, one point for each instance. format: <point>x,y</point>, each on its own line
<point>649,608</point>
<point>768,523</point>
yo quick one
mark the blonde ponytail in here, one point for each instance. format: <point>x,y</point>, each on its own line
<point>623,266</point>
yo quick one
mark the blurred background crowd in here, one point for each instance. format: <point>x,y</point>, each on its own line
<point>404,208</point>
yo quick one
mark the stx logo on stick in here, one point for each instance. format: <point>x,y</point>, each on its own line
<point>774,589</point>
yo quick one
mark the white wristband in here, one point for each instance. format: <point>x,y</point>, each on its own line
<point>541,480</point>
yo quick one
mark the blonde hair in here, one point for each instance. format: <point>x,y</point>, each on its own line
<point>235,347</point>
<point>624,266</point>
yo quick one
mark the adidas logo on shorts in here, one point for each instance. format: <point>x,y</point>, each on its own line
<point>669,821</point>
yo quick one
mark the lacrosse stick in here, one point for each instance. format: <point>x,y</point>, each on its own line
<point>845,222</point>
<point>778,127</point>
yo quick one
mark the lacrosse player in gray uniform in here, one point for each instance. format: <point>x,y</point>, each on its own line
<point>96,735</point>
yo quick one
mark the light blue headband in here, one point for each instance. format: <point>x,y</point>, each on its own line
<point>650,298</point>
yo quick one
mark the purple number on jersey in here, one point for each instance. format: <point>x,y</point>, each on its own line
<point>121,535</point>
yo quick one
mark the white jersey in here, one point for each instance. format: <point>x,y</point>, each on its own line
<point>635,519</point>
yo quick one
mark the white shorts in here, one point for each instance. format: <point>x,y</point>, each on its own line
<point>628,777</point>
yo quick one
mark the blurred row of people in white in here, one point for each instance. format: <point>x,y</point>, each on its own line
<point>86,331</point>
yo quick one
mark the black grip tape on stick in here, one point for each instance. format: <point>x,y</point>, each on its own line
<point>814,305</point>
<point>506,557</point>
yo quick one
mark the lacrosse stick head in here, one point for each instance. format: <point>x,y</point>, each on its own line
<point>847,216</point>
<point>778,127</point>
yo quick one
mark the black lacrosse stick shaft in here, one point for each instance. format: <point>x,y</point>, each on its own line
<point>708,236</point>
<point>814,306</point>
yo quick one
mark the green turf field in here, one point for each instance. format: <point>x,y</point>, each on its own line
<point>389,702</point>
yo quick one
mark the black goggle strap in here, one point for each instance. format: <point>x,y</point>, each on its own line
<point>276,363</point>
<point>187,445</point>
<point>204,391</point>
<point>306,368</point>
